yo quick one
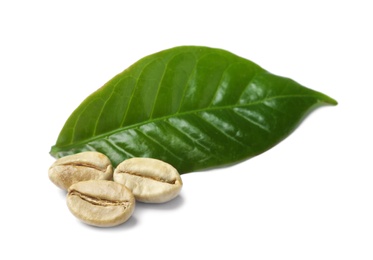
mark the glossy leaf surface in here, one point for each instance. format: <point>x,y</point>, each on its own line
<point>193,107</point>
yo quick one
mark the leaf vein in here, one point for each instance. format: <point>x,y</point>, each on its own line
<point>192,139</point>
<point>258,124</point>
<point>220,81</point>
<point>158,90</point>
<point>186,86</point>
<point>121,149</point>
<point>102,109</point>
<point>159,144</point>
<point>191,112</point>
<point>222,132</point>
<point>134,90</point>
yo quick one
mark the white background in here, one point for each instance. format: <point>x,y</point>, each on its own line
<point>310,197</point>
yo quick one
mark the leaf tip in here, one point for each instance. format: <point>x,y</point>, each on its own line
<point>330,101</point>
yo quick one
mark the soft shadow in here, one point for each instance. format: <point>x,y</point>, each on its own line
<point>130,223</point>
<point>144,208</point>
<point>63,193</point>
<point>170,205</point>
<point>139,209</point>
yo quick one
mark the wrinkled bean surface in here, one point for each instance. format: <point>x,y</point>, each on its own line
<point>100,203</point>
<point>150,180</point>
<point>80,167</point>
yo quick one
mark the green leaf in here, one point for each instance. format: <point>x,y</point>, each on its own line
<point>193,107</point>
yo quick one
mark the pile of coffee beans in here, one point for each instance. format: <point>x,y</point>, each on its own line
<point>100,196</point>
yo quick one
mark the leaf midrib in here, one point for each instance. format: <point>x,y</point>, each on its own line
<point>208,109</point>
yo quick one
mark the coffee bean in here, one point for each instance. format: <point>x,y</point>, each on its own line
<point>100,203</point>
<point>150,180</point>
<point>80,167</point>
